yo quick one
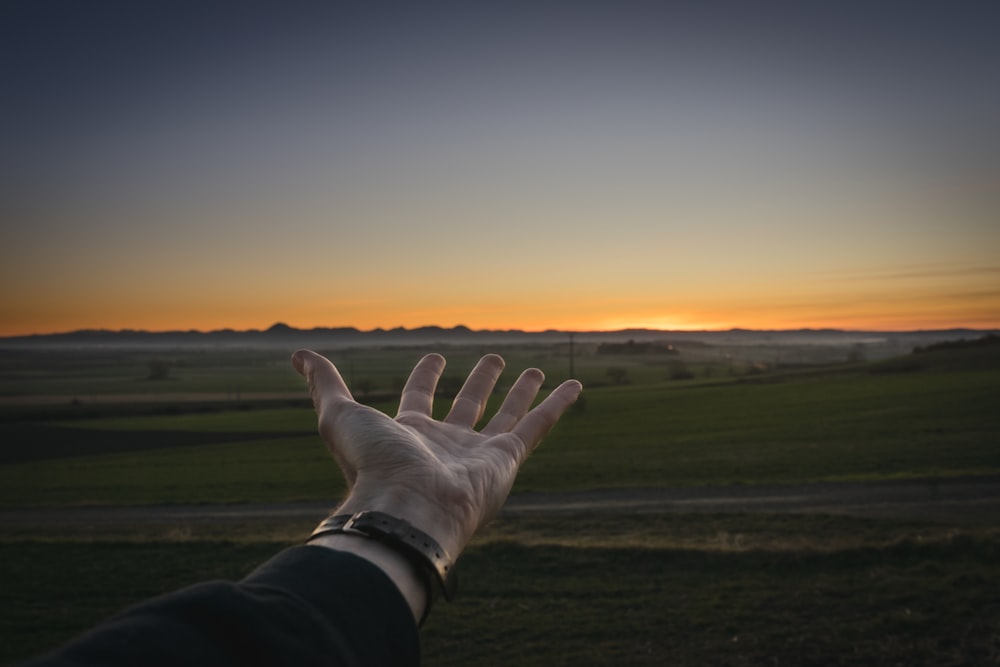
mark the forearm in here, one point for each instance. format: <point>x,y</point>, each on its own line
<point>402,573</point>
<point>402,535</point>
<point>307,605</point>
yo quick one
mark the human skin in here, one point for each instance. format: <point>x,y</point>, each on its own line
<point>442,476</point>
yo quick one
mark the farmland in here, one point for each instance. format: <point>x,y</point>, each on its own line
<point>582,588</point>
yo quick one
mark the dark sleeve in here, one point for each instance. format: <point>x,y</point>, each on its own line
<point>306,606</point>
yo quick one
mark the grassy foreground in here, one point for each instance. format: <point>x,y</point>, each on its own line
<point>644,589</point>
<point>612,590</point>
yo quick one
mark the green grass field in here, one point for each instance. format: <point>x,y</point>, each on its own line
<point>642,589</point>
<point>838,425</point>
<point>606,590</point>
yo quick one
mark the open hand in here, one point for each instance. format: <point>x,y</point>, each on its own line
<point>444,477</point>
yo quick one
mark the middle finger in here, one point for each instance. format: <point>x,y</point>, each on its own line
<point>470,403</point>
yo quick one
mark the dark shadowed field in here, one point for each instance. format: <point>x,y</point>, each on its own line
<point>736,513</point>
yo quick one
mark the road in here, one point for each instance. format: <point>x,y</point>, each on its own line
<point>959,499</point>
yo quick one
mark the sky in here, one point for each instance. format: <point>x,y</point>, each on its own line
<point>530,165</point>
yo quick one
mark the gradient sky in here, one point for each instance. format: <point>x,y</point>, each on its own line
<point>585,165</point>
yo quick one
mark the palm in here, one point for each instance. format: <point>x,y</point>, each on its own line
<point>448,476</point>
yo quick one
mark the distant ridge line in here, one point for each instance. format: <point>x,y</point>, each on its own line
<point>283,334</point>
<point>280,328</point>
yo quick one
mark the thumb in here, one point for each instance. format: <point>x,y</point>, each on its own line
<point>324,380</point>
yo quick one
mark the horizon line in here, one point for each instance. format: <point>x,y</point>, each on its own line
<point>279,327</point>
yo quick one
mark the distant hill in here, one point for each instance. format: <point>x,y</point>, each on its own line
<point>281,335</point>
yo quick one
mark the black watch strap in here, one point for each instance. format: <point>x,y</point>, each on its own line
<point>418,547</point>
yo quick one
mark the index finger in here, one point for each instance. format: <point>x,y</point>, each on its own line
<point>418,393</point>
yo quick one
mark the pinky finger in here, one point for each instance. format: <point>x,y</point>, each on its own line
<point>544,416</point>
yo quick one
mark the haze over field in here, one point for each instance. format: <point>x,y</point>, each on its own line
<point>579,166</point>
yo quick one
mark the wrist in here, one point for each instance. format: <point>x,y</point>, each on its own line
<point>431,567</point>
<point>423,515</point>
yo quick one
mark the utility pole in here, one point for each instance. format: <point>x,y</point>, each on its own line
<point>572,371</point>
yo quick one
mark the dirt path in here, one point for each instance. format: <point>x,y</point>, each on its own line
<point>955,499</point>
<point>154,397</point>
<point>962,498</point>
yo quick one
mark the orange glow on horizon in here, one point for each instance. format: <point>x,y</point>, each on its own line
<point>938,301</point>
<point>706,322</point>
